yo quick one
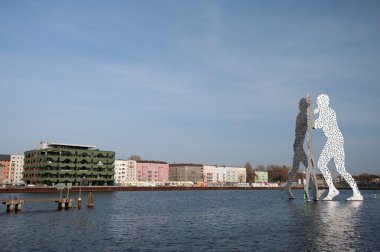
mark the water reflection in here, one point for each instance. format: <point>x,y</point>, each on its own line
<point>333,225</point>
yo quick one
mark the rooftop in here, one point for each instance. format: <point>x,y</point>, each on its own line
<point>45,145</point>
<point>5,157</point>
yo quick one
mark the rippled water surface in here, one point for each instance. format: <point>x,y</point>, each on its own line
<point>195,221</point>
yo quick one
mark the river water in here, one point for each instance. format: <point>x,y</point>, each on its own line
<point>195,221</point>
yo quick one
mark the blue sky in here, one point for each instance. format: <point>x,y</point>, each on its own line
<point>189,81</point>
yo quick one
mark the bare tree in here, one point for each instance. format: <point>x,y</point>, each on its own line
<point>135,157</point>
<point>250,173</point>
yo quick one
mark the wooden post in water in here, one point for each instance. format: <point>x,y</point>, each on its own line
<point>80,195</point>
<point>10,207</point>
<point>61,203</point>
<point>90,200</point>
<point>79,203</point>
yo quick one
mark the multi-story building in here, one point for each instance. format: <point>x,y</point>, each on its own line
<point>236,175</point>
<point>16,169</point>
<point>208,173</point>
<point>4,170</point>
<point>125,171</point>
<point>261,177</point>
<point>1,173</point>
<point>120,170</point>
<point>219,175</point>
<point>186,172</point>
<point>152,171</point>
<point>52,163</point>
<point>229,174</point>
<point>131,170</point>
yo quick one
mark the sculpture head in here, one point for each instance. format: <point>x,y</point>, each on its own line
<point>323,101</point>
<point>303,105</point>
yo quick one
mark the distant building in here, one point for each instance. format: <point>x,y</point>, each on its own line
<point>152,171</point>
<point>236,174</point>
<point>120,170</point>
<point>219,175</point>
<point>52,163</point>
<point>131,170</point>
<point>261,177</point>
<point>4,168</point>
<point>186,172</point>
<point>1,173</point>
<point>16,169</point>
<point>208,173</point>
<point>125,171</point>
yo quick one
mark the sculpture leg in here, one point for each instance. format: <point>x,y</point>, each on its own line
<point>340,167</point>
<point>322,166</point>
<point>292,175</point>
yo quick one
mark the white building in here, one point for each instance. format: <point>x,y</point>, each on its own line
<point>236,174</point>
<point>219,175</point>
<point>16,169</point>
<point>208,173</point>
<point>261,176</point>
<point>229,174</point>
<point>125,171</point>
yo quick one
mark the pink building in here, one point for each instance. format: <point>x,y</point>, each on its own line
<point>152,171</point>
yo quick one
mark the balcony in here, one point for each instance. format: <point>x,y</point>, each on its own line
<point>84,160</point>
<point>66,180</point>
<point>102,173</point>
<point>51,180</point>
<point>101,159</point>
<point>51,158</point>
<point>67,166</point>
<point>67,153</point>
<point>83,172</point>
<point>68,172</point>
<point>84,153</point>
<point>101,179</point>
<point>67,160</point>
<point>50,172</point>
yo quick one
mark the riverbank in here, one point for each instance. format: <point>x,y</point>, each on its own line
<point>50,189</point>
<point>126,188</point>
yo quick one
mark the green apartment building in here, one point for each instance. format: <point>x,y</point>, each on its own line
<point>52,163</point>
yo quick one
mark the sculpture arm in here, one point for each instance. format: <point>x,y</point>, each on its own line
<point>318,123</point>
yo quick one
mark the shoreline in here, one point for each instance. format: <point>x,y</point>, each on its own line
<point>158,188</point>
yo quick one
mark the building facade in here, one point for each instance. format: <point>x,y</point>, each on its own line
<point>229,174</point>
<point>120,170</point>
<point>131,170</point>
<point>236,174</point>
<point>125,171</point>
<point>208,173</point>
<point>186,172</point>
<point>261,177</point>
<point>52,163</point>
<point>219,175</point>
<point>152,171</point>
<point>5,167</point>
<point>16,169</point>
<point>1,173</point>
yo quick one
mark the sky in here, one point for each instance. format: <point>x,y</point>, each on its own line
<point>212,82</point>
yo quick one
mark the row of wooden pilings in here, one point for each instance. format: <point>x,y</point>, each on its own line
<point>63,202</point>
<point>14,205</point>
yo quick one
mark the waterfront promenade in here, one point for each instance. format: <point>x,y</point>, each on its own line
<point>52,189</point>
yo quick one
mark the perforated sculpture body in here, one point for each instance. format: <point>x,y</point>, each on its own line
<point>299,153</point>
<point>334,148</point>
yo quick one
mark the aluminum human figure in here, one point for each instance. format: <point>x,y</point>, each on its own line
<point>334,148</point>
<point>299,153</point>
